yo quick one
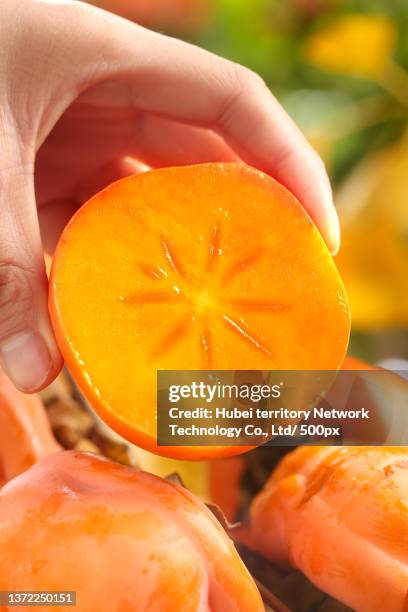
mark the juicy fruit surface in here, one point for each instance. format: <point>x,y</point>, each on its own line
<point>203,267</point>
<point>153,548</point>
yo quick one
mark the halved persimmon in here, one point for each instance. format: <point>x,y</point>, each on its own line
<point>213,266</point>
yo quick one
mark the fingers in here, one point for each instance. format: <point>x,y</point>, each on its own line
<point>268,139</point>
<point>185,83</point>
<point>241,108</point>
<point>161,142</point>
<point>153,140</point>
<point>76,160</point>
<point>126,67</point>
<point>28,353</point>
<point>53,217</point>
<point>54,214</point>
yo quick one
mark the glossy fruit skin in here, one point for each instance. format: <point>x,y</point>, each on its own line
<point>340,515</point>
<point>214,266</point>
<point>25,433</point>
<point>123,539</point>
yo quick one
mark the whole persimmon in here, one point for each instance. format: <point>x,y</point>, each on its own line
<point>340,515</point>
<point>25,432</point>
<point>206,267</point>
<point>123,539</point>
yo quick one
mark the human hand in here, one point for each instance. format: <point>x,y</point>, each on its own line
<point>82,92</point>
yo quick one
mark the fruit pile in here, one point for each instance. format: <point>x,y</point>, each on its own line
<point>205,267</point>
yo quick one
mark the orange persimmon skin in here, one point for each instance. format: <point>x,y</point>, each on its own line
<point>214,266</point>
<point>25,433</point>
<point>340,514</point>
<point>123,539</point>
<point>377,394</point>
<point>355,363</point>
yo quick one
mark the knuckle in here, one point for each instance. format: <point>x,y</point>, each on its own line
<point>16,295</point>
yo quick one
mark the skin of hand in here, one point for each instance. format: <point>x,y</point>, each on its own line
<point>83,95</point>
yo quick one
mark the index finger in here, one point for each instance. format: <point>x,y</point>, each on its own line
<point>158,74</point>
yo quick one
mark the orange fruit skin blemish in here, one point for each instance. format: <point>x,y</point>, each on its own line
<point>213,266</point>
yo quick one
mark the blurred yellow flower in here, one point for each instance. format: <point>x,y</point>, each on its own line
<point>357,44</point>
<point>373,260</point>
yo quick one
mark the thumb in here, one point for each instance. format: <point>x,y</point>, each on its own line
<point>28,352</point>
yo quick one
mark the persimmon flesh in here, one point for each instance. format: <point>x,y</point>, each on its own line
<point>214,266</point>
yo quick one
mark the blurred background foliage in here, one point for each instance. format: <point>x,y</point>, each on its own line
<point>340,68</point>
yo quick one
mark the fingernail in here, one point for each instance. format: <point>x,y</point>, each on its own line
<point>26,360</point>
<point>330,222</point>
<point>334,231</point>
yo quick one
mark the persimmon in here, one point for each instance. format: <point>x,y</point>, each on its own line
<point>224,477</point>
<point>121,538</point>
<point>25,433</point>
<point>214,266</point>
<point>340,514</point>
<point>384,393</point>
<point>355,363</point>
